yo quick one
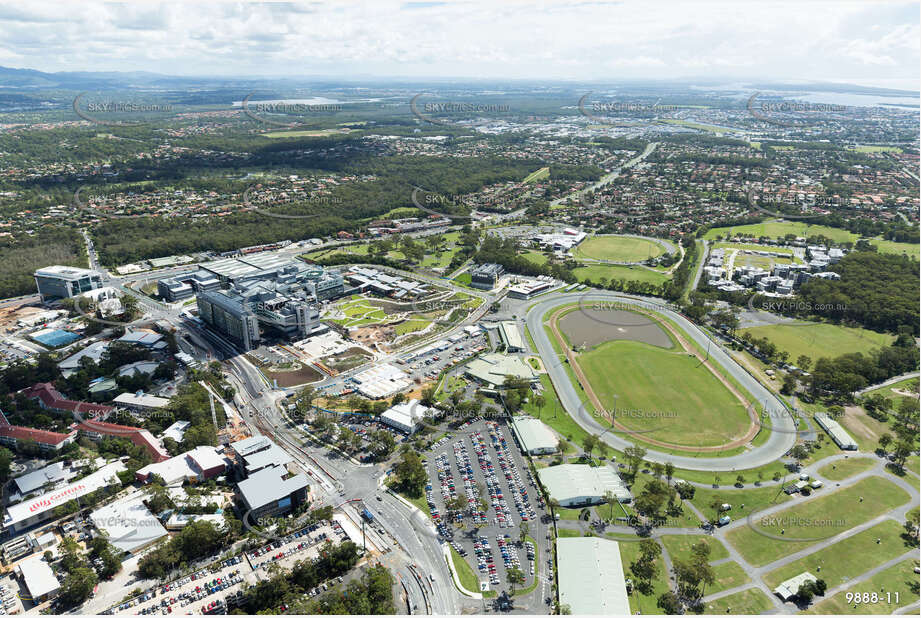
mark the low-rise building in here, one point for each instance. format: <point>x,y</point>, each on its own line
<point>128,525</point>
<point>837,433</point>
<point>491,369</point>
<point>408,416</point>
<point>140,402</point>
<point>511,336</point>
<point>486,276</point>
<point>533,436</point>
<point>271,492</point>
<point>38,578</point>
<point>574,485</point>
<point>790,588</point>
<point>591,577</point>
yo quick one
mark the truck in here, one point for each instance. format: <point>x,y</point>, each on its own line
<point>368,515</point>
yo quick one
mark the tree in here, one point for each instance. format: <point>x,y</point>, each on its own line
<point>610,499</point>
<point>78,585</point>
<point>634,456</point>
<point>669,472</point>
<point>669,603</point>
<point>884,441</point>
<point>540,401</point>
<point>589,442</point>
<point>410,473</point>
<point>523,531</point>
<point>804,362</point>
<point>645,567</point>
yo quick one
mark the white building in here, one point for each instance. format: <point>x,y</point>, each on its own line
<point>38,578</point>
<point>582,485</point>
<point>408,416</point>
<point>128,525</point>
<point>591,575</point>
<point>382,381</point>
<point>533,436</point>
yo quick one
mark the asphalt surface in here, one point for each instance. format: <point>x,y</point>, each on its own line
<point>783,434</point>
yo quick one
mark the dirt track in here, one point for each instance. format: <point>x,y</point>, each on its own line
<point>596,402</point>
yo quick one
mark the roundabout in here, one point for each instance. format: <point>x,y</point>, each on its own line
<point>781,435</point>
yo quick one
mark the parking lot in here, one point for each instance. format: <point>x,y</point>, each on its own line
<point>220,587</point>
<point>482,464</point>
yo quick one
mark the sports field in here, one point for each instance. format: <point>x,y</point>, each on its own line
<point>775,229</point>
<point>664,392</point>
<point>596,272</point>
<point>816,339</point>
<point>618,249</point>
<point>809,522</point>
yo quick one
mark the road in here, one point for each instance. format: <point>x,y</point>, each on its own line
<point>650,147</point>
<point>778,443</point>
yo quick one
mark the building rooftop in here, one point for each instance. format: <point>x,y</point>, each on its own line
<point>29,508</point>
<point>140,399</point>
<point>569,481</point>
<point>591,576</point>
<point>269,485</point>
<point>65,272</point>
<point>492,368</point>
<point>128,524</point>
<point>533,434</point>
<point>38,576</point>
<point>52,473</point>
<point>788,589</point>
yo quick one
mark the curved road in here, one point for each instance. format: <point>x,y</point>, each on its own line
<point>778,443</point>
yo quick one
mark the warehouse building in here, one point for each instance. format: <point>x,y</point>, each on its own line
<point>534,437</point>
<point>140,403</point>
<point>490,369</point>
<point>57,282</point>
<point>574,485</point>
<point>511,336</point>
<point>841,437</point>
<point>591,577</point>
<point>486,276</point>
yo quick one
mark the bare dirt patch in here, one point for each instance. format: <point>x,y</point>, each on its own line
<point>295,377</point>
<point>581,330</point>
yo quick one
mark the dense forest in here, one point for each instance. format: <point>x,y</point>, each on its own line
<point>877,291</point>
<point>21,258</point>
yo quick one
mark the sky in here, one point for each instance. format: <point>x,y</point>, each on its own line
<point>866,43</point>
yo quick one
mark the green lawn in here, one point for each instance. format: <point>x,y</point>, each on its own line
<point>747,602</point>
<point>309,133</point>
<point>899,581</point>
<point>595,272</point>
<point>816,340</point>
<point>845,560</point>
<point>775,229</point>
<point>844,469</point>
<point>665,391</point>
<point>679,546</point>
<point>465,572</point>
<point>564,533</point>
<point>808,522</point>
<point>535,257</point>
<point>909,385</point>
<point>728,575</point>
<point>641,603</point>
<point>744,501</point>
<point>865,148</point>
<point>618,249</point>
<point>534,176</point>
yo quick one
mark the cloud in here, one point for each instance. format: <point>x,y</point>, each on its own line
<point>474,39</point>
